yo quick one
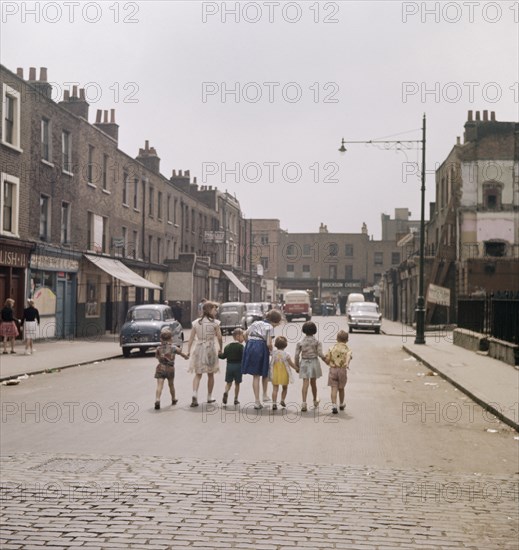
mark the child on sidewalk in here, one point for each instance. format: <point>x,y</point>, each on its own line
<point>165,370</point>
<point>233,352</point>
<point>256,353</point>
<point>308,351</point>
<point>338,359</point>
<point>280,373</point>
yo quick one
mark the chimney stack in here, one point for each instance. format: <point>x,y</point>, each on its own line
<point>19,72</point>
<point>469,118</point>
<point>41,85</point>
<point>478,116</point>
<point>109,127</point>
<point>485,116</point>
<point>493,116</point>
<point>148,156</point>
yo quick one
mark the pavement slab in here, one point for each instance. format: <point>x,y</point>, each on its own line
<point>161,502</point>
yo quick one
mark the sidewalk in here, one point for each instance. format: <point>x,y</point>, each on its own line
<point>491,383</point>
<point>57,354</point>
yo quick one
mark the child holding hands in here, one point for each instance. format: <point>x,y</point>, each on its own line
<point>165,370</point>
<point>308,351</point>
<point>233,352</point>
<point>280,373</point>
<point>338,359</point>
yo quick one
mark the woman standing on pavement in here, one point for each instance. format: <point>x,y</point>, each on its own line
<point>30,322</point>
<point>205,358</point>
<point>8,328</point>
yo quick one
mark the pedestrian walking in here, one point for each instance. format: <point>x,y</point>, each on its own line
<point>256,353</point>
<point>177,312</point>
<point>165,370</point>
<point>201,307</point>
<point>233,352</point>
<point>30,322</point>
<point>338,359</point>
<point>280,373</point>
<point>8,328</point>
<point>308,352</point>
<point>205,358</point>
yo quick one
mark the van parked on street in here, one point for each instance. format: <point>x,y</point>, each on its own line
<point>297,304</point>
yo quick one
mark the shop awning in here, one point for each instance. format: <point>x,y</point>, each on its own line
<point>236,282</point>
<point>117,269</point>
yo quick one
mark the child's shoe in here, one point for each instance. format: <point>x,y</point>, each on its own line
<point>316,403</point>
<point>194,402</point>
<point>342,406</point>
<point>335,411</point>
<point>224,398</point>
<point>303,407</point>
<point>258,406</point>
<point>236,402</point>
<point>157,405</point>
<point>274,406</point>
<point>282,403</point>
<point>174,401</point>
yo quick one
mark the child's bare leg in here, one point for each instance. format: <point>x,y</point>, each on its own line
<point>196,383</point>
<point>171,388</point>
<point>236,390</point>
<point>313,384</point>
<point>255,387</point>
<point>265,383</point>
<point>306,382</point>
<point>210,385</point>
<point>5,343</point>
<point>284,393</point>
<point>160,385</point>
<point>275,393</point>
<point>334,395</point>
<point>227,387</point>
<point>12,343</point>
<point>341,396</point>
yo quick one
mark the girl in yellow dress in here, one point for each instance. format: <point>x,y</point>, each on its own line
<point>280,373</point>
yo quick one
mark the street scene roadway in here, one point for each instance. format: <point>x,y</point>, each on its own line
<point>411,463</point>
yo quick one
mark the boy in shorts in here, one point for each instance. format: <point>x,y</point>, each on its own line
<point>338,359</point>
<point>233,352</point>
<point>165,370</point>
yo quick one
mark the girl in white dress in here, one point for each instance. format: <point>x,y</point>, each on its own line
<point>205,357</point>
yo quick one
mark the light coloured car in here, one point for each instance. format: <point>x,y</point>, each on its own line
<point>364,316</point>
<point>143,325</point>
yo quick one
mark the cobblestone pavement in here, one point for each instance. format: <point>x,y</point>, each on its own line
<point>69,501</point>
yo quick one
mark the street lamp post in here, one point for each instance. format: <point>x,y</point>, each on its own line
<point>420,302</point>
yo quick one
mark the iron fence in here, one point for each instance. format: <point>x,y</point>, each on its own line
<point>495,314</point>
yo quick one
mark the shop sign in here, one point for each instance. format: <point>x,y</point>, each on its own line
<point>54,263</point>
<point>13,258</point>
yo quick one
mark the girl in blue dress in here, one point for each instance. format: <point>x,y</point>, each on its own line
<point>256,355</point>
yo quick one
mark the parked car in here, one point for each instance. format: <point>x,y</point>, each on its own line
<point>330,308</point>
<point>143,325</point>
<point>364,316</point>
<point>232,315</point>
<point>254,313</point>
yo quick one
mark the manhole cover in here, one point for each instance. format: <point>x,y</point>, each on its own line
<point>75,465</point>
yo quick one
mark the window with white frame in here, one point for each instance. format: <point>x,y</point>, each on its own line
<point>65,222</point>
<point>9,201</point>
<point>168,208</point>
<point>66,152</point>
<point>378,258</point>
<point>136,193</point>
<point>44,218</point>
<point>96,226</point>
<point>151,200</point>
<point>306,271</point>
<point>159,205</point>
<point>11,117</point>
<point>46,142</point>
<point>290,270</point>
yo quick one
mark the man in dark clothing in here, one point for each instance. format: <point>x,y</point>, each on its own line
<point>177,312</point>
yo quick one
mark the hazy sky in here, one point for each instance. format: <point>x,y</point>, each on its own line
<point>273,93</point>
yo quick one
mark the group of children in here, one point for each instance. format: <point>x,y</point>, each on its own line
<point>263,357</point>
